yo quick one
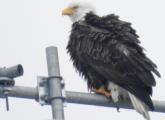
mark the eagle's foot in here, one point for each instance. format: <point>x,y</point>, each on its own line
<point>102,91</point>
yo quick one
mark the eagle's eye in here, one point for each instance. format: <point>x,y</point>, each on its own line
<point>75,7</point>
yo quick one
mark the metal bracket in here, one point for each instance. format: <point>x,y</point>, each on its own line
<point>7,76</point>
<point>43,91</point>
<point>6,84</point>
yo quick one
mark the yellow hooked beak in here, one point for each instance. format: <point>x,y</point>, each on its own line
<point>68,11</point>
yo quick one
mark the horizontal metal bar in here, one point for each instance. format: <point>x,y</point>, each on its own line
<point>21,92</point>
<point>79,98</point>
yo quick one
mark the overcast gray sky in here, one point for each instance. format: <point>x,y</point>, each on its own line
<point>27,27</point>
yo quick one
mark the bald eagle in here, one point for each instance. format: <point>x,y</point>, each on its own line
<point>107,52</point>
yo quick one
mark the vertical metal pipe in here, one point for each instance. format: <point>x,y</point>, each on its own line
<point>54,82</point>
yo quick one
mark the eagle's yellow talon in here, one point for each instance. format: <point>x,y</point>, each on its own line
<point>102,91</point>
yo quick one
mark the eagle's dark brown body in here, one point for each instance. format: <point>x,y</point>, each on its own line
<point>107,49</point>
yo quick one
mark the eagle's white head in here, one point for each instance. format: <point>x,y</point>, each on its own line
<point>78,10</point>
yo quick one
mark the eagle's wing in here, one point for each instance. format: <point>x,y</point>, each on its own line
<point>114,53</point>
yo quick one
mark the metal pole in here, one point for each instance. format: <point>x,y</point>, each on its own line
<point>78,98</point>
<point>54,83</point>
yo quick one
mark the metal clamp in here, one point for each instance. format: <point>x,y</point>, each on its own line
<point>43,91</point>
<point>59,77</point>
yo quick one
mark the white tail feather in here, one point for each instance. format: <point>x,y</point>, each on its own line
<point>139,106</point>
